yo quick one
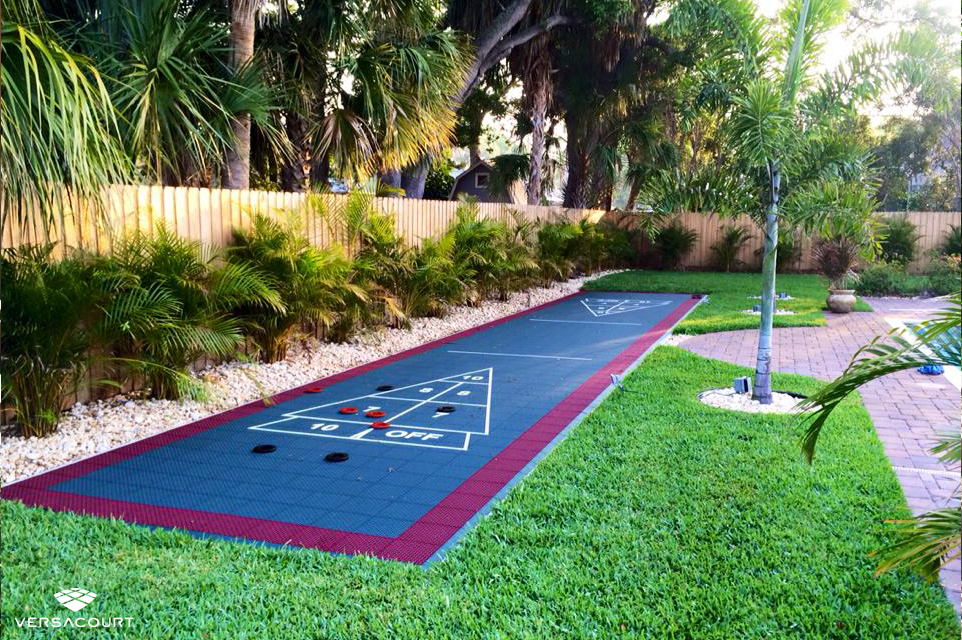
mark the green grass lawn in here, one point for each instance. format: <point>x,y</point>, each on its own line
<point>729,295</point>
<point>657,517</point>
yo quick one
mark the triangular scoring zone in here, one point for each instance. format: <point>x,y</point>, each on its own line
<point>599,307</point>
<point>479,377</point>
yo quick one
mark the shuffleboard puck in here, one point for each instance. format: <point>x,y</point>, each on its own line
<point>336,456</point>
<point>264,448</point>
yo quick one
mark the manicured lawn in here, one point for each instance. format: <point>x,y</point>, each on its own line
<point>658,517</point>
<point>729,296</point>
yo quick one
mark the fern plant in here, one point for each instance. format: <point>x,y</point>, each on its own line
<point>478,250</point>
<point>201,291</point>
<point>515,267</point>
<point>900,240</point>
<point>952,241</point>
<point>674,242</point>
<point>725,251</point>
<point>48,309</point>
<point>381,264</point>
<point>435,281</point>
<point>312,284</point>
<point>557,243</point>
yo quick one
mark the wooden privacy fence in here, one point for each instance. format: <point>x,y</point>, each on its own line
<point>932,227</point>
<point>209,215</point>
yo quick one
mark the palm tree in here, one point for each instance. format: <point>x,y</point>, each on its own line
<point>930,540</point>
<point>237,165</point>
<point>59,126</point>
<point>166,72</point>
<point>367,88</point>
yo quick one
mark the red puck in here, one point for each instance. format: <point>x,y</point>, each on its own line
<point>374,414</point>
<point>380,425</point>
<point>348,411</point>
<point>313,389</point>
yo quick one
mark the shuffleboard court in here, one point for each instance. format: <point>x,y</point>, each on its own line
<point>395,458</point>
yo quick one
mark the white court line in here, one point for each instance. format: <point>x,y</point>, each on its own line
<point>422,403</point>
<point>457,404</point>
<point>361,434</point>
<point>467,439</point>
<point>516,355</point>
<point>393,426</point>
<point>633,324</point>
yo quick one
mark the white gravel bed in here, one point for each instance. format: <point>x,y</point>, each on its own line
<point>87,429</point>
<point>730,399</point>
<point>778,312</point>
<point>776,298</point>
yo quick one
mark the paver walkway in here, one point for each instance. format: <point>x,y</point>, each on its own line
<point>907,408</point>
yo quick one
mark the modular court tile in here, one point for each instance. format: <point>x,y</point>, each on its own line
<point>432,435</point>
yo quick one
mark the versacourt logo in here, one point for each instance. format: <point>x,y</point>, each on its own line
<point>75,599</point>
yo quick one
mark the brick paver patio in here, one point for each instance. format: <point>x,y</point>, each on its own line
<point>907,408</point>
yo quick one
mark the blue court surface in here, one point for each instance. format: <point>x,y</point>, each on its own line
<point>431,437</point>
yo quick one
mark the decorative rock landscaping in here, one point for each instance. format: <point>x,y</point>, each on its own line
<point>87,429</point>
<point>730,399</point>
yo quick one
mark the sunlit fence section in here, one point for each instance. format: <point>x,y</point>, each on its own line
<point>209,215</point>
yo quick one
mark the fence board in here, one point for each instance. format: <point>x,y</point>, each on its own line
<point>210,215</point>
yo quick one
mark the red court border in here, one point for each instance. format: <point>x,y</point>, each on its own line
<point>419,541</point>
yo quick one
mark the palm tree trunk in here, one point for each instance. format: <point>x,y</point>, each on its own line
<point>293,177</point>
<point>539,112</point>
<point>237,167</point>
<point>762,391</point>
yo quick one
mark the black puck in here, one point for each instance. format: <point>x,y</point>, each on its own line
<point>385,387</point>
<point>445,408</point>
<point>336,456</point>
<point>264,448</point>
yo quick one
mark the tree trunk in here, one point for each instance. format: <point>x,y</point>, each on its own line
<point>762,391</point>
<point>293,177</point>
<point>539,116</point>
<point>582,139</point>
<point>632,196</point>
<point>320,173</point>
<point>414,177</point>
<point>474,154</point>
<point>390,178</point>
<point>237,167</point>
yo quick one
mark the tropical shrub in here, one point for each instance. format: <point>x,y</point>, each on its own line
<point>882,278</point>
<point>944,275</point>
<point>557,244</point>
<point>435,279</point>
<point>952,241</point>
<point>900,239</point>
<point>380,267</point>
<point>200,293</point>
<point>49,309</point>
<point>517,265</point>
<point>620,245</point>
<point>835,257</point>
<point>673,242</point>
<point>312,283</point>
<point>478,249</point>
<point>725,251</point>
